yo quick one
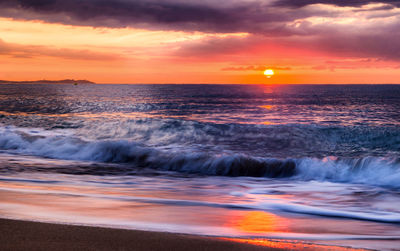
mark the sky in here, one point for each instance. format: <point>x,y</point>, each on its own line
<point>208,41</point>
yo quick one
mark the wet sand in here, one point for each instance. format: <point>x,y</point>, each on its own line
<point>24,235</point>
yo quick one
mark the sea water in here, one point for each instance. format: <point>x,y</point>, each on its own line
<point>316,163</point>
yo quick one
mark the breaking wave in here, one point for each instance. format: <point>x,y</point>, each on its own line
<point>293,140</point>
<point>131,156</point>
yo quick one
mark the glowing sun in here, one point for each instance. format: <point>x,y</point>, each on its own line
<point>269,73</point>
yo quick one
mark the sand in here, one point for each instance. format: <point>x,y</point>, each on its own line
<point>24,235</point>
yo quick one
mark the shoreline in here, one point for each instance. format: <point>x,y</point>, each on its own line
<point>32,235</point>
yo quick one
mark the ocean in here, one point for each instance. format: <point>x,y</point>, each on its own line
<point>312,163</point>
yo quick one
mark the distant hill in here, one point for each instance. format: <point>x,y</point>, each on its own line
<point>64,81</point>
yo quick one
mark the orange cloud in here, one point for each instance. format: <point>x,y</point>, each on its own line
<point>34,51</point>
<point>255,68</point>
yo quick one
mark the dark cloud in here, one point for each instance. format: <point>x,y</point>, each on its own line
<point>258,16</point>
<point>342,3</point>
<point>120,13</point>
<point>162,11</point>
<point>189,15</point>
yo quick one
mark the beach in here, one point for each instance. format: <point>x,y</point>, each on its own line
<point>27,235</point>
<point>24,235</point>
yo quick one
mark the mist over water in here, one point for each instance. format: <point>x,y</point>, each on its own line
<point>327,152</point>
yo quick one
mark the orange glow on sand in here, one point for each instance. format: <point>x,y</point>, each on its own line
<point>289,245</point>
<point>264,223</point>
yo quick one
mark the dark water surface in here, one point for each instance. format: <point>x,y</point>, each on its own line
<point>310,162</point>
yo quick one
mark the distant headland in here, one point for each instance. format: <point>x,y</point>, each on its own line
<point>64,81</point>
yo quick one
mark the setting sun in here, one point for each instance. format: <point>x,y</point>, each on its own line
<point>269,73</point>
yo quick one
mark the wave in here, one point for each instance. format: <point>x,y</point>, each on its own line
<point>294,140</point>
<point>276,141</point>
<point>379,171</point>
